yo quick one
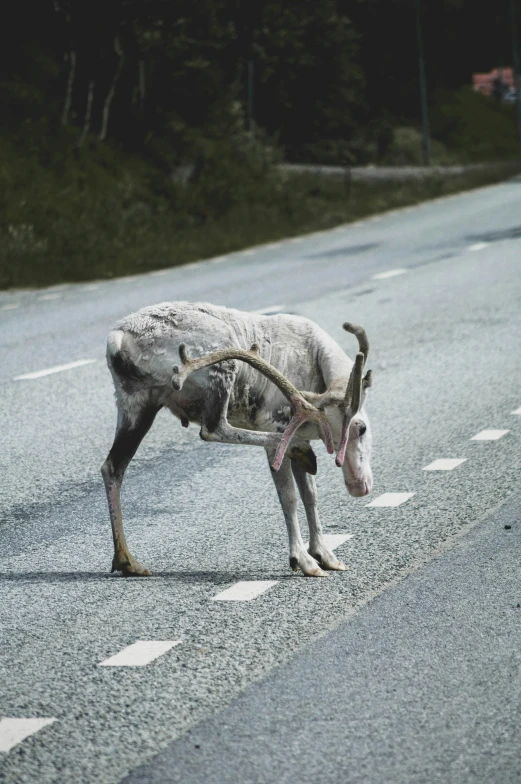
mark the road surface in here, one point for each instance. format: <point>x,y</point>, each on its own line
<point>438,288</point>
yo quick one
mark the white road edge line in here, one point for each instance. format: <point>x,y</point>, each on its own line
<point>333,540</point>
<point>270,309</point>
<point>14,731</point>
<point>191,264</point>
<point>140,653</point>
<point>244,591</point>
<point>445,464</point>
<point>517,411</point>
<point>478,246</point>
<point>55,369</point>
<point>388,274</point>
<point>391,499</point>
<point>489,435</point>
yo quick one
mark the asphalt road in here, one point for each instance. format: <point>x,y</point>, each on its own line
<point>445,347</point>
<point>421,686</point>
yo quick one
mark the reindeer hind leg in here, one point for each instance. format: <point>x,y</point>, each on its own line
<point>214,424</point>
<point>134,421</point>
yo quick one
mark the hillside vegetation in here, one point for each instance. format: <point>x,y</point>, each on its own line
<point>142,134</point>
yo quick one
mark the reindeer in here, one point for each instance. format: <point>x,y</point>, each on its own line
<point>238,376</point>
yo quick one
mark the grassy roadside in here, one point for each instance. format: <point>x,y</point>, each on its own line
<point>105,217</point>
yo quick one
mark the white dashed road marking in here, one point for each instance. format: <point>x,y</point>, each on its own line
<point>14,731</point>
<point>517,411</point>
<point>11,306</point>
<point>47,297</point>
<point>56,369</point>
<point>244,591</point>
<point>391,499</point>
<point>478,246</point>
<point>140,653</point>
<point>333,540</point>
<point>126,280</point>
<point>249,252</point>
<point>489,435</point>
<point>445,464</point>
<point>91,287</point>
<point>388,274</point>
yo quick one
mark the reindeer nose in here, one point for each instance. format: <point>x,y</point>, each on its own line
<point>362,429</point>
<point>358,489</point>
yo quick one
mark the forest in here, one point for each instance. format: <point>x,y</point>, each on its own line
<point>123,117</point>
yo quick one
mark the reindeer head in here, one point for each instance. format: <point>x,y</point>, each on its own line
<point>349,422</point>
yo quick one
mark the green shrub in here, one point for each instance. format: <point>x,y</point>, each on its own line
<point>406,148</point>
<point>474,127</point>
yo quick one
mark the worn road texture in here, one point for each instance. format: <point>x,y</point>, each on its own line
<point>404,668</point>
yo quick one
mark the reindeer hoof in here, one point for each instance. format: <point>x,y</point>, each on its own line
<point>129,567</point>
<point>318,572</point>
<point>328,561</point>
<point>308,565</point>
<point>136,570</point>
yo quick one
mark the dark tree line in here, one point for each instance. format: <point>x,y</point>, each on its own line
<point>157,76</point>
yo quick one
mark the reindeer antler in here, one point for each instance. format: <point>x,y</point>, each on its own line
<point>303,410</point>
<point>353,396</point>
<point>361,335</point>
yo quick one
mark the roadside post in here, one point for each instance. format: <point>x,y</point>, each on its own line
<point>515,63</point>
<point>250,96</point>
<point>426,141</point>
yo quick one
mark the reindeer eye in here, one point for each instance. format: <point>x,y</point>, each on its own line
<point>362,429</point>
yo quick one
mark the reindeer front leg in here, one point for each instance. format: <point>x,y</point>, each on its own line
<point>298,557</point>
<point>317,546</point>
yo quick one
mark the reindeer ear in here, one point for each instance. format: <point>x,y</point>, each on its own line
<point>306,457</point>
<point>367,380</point>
